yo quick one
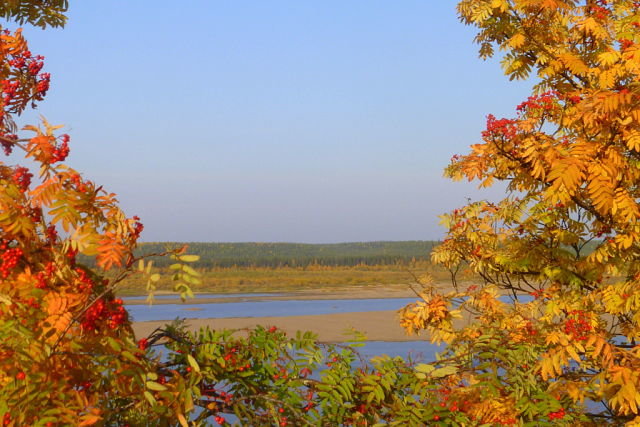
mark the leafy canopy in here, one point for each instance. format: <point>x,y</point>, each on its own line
<point>555,320</point>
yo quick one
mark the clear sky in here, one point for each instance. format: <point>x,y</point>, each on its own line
<point>286,120</point>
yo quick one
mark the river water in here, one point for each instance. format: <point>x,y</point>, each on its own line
<point>417,350</point>
<point>193,310</point>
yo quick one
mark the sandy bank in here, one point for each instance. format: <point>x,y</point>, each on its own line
<point>377,325</point>
<point>351,292</point>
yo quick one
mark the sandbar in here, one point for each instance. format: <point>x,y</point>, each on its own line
<point>376,325</point>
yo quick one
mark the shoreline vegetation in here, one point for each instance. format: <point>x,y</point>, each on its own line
<point>277,267</point>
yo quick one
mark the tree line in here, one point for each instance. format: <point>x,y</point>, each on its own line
<point>274,255</point>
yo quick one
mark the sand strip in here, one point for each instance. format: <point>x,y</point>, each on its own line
<point>376,325</point>
<point>347,292</point>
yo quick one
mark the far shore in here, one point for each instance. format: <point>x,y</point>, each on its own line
<point>347,292</point>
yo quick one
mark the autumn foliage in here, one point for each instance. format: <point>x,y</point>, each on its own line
<point>548,336</point>
<point>556,319</point>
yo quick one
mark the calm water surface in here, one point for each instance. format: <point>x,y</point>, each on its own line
<point>419,350</point>
<point>174,296</point>
<point>263,308</point>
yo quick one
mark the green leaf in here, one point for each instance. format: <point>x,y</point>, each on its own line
<point>425,368</point>
<point>190,271</point>
<point>152,385</point>
<point>192,362</point>
<point>444,371</point>
<point>150,398</point>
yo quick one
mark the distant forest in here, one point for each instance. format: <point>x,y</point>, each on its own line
<point>273,255</point>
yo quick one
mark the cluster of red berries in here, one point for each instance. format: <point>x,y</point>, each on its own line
<point>7,140</point>
<point>460,224</point>
<point>334,359</point>
<point>577,327</point>
<point>575,99</point>
<point>599,12</point>
<point>557,415</point>
<point>283,373</point>
<point>35,214</point>
<point>86,284</point>
<point>9,90</point>
<point>79,184</point>
<point>454,406</point>
<point>17,92</point>
<point>60,153</point>
<point>31,302</point>
<point>112,311</point>
<point>310,404</point>
<point>71,256</point>
<point>43,85</point>
<point>22,177</point>
<point>51,233</point>
<point>220,420</point>
<point>232,357</point>
<point>226,397</point>
<point>143,344</point>
<point>625,43</point>
<point>539,103</point>
<point>537,293</point>
<point>42,276</point>
<point>41,280</point>
<point>10,258</point>
<point>33,64</point>
<point>505,128</point>
<point>529,329</point>
<point>305,372</point>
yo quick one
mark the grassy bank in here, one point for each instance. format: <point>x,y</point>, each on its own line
<point>290,279</point>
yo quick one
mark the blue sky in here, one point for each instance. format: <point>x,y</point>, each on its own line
<point>315,121</point>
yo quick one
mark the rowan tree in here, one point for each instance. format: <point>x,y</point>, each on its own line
<point>555,318</point>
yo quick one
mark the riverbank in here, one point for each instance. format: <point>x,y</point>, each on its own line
<point>345,292</point>
<point>376,325</point>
